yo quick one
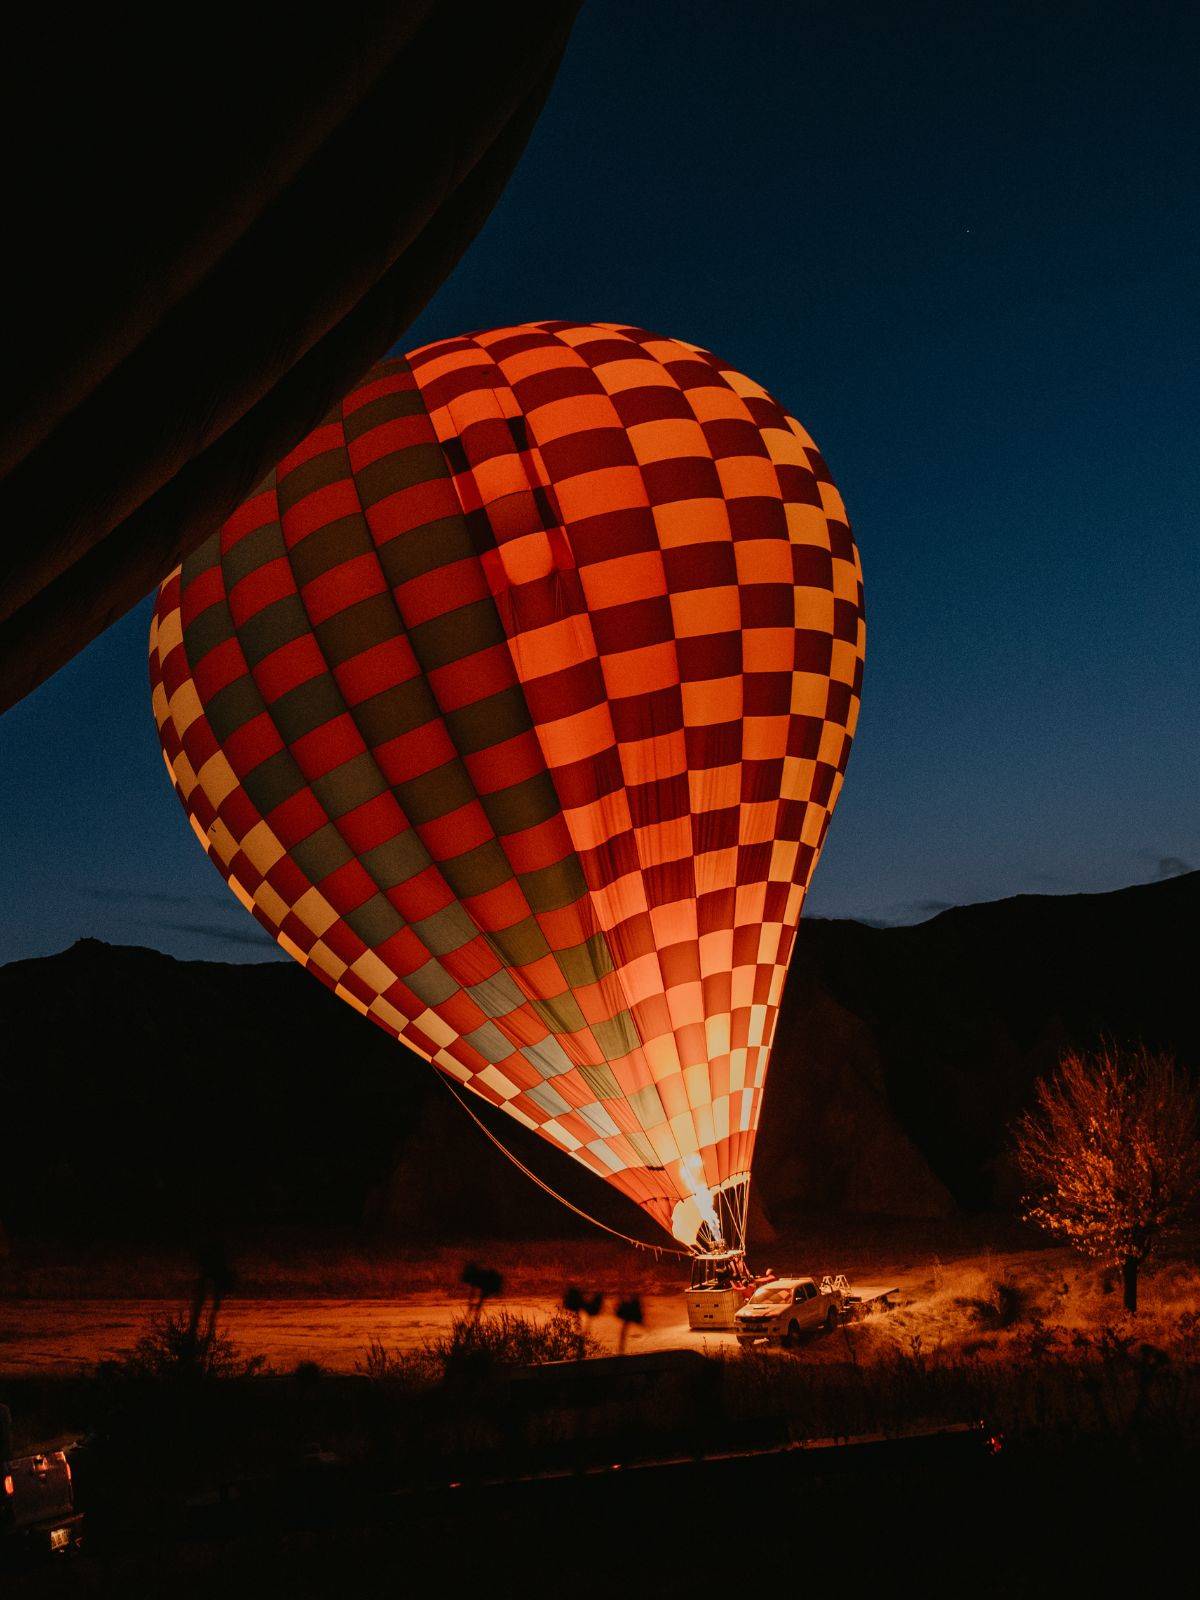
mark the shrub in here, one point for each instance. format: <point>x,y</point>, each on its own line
<point>172,1351</point>
<point>479,1343</point>
<point>512,1339</point>
<point>1003,1305</point>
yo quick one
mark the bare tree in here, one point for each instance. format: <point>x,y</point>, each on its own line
<point>1110,1154</point>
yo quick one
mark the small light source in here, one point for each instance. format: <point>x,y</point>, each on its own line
<point>9,1486</point>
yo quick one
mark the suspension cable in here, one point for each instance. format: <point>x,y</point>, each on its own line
<point>639,1244</point>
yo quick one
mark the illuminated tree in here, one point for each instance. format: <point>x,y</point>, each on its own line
<point>1110,1154</point>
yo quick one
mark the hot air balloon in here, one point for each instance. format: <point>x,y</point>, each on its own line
<point>515,704</point>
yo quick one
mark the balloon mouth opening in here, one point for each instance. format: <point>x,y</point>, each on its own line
<point>710,1220</point>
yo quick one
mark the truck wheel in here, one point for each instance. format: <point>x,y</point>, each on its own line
<point>792,1337</point>
<point>831,1319</point>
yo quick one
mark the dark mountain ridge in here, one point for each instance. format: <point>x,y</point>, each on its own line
<point>142,1095</point>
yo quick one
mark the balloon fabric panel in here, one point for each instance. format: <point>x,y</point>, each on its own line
<point>515,704</point>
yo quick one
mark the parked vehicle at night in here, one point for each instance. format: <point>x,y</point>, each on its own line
<point>786,1309</point>
<point>37,1497</point>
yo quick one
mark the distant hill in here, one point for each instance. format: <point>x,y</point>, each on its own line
<point>139,1094</point>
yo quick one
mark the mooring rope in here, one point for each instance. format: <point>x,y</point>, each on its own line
<point>639,1244</point>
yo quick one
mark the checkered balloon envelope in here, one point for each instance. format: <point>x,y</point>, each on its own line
<point>514,704</point>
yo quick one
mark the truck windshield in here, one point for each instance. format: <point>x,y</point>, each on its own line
<point>771,1294</point>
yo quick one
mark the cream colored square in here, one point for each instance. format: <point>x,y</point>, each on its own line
<point>737,1070</point>
<point>742,988</point>
<point>810,694</point>
<point>784,447</point>
<point>373,972</point>
<point>697,1087</point>
<point>721,1117</point>
<point>617,376</point>
<point>432,1026</point>
<point>185,774</point>
<point>807,524</point>
<point>744,386</point>
<point>641,979</point>
<point>262,848</point>
<point>715,788</point>
<point>663,1142</point>
<point>497,1082</point>
<point>814,822</point>
<point>831,501</point>
<point>389,1015</point>
<point>170,633</point>
<point>685,1001</point>
<point>557,1131</point>
<point>757,822</point>
<point>673,923</point>
<point>607,1157</point>
<point>783,860</point>
<point>455,361</point>
<point>716,955</point>
<point>843,661</point>
<point>684,1131</point>
<point>813,609</point>
<point>217,778</point>
<point>185,706</point>
<point>315,912</point>
<point>716,1036</point>
<point>619,901</point>
<point>698,612</point>
<point>329,962</point>
<point>444,1059</point>
<point>224,844</point>
<point>706,1131</point>
<point>662,1056</point>
<point>716,403</point>
<point>716,870</point>
<point>665,841</point>
<point>671,440</point>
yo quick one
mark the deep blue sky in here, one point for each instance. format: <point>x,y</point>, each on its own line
<point>960,243</point>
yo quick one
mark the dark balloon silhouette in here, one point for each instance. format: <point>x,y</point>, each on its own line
<point>213,230</point>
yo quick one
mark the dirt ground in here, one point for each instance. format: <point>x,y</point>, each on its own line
<point>964,1291</point>
<point>64,1336</point>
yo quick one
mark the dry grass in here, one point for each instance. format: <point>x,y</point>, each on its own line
<point>335,1265</point>
<point>992,1307</point>
<point>499,1338</point>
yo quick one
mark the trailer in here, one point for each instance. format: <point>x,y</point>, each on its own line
<point>859,1300</point>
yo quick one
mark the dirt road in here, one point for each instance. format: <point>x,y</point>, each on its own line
<point>63,1336</point>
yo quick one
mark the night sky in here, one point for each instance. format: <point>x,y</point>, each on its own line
<point>959,242</point>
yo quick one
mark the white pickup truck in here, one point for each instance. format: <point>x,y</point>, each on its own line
<point>787,1308</point>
